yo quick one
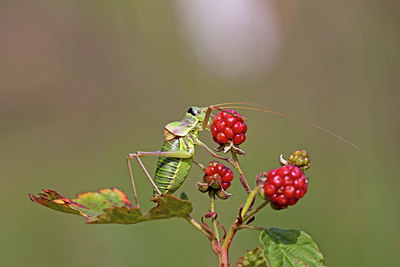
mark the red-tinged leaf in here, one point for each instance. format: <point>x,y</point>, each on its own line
<point>47,199</point>
<point>111,205</point>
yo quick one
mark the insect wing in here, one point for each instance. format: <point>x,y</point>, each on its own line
<point>182,128</point>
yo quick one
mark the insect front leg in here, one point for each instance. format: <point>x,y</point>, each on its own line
<point>201,166</point>
<point>208,114</point>
<point>198,142</point>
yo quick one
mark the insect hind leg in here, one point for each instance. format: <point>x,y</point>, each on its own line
<point>137,156</point>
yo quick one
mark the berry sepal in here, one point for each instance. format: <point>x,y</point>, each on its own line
<point>230,145</point>
<point>222,194</point>
<point>203,187</point>
<point>261,178</point>
<point>215,187</point>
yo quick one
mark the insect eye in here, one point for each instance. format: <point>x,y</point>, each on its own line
<point>191,111</point>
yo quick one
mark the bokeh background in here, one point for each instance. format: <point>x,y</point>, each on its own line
<point>82,83</point>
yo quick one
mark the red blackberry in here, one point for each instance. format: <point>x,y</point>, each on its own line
<point>217,178</point>
<point>228,128</point>
<point>218,175</point>
<point>285,186</point>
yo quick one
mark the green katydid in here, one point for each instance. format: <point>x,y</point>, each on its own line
<point>177,153</point>
<point>180,139</point>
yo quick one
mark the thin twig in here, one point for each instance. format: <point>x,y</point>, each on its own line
<point>198,227</point>
<point>249,202</point>
<point>251,213</point>
<point>251,227</point>
<point>212,209</point>
<point>242,177</point>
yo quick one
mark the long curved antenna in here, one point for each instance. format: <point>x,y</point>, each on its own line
<point>310,124</point>
<point>243,103</point>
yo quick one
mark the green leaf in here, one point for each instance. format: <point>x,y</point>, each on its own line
<point>110,205</point>
<point>253,258</point>
<point>290,248</point>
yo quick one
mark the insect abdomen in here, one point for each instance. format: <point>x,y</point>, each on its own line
<point>172,172</point>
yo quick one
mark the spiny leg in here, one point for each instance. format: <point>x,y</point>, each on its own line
<point>138,154</point>
<point>198,142</point>
<point>200,165</point>
<point>128,161</point>
<point>234,163</point>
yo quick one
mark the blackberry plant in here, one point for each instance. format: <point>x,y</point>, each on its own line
<point>281,187</point>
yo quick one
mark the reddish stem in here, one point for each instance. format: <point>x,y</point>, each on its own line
<point>241,174</point>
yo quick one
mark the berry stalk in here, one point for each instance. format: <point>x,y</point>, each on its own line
<point>238,224</point>
<point>241,174</point>
<point>249,202</point>
<point>257,209</point>
<point>212,210</point>
<point>197,225</point>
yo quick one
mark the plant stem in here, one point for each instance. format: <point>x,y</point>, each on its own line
<point>249,201</point>
<point>243,217</point>
<point>198,227</point>
<point>214,243</point>
<point>236,226</point>
<point>212,209</point>
<point>227,242</point>
<point>242,177</point>
<point>222,250</point>
<point>251,227</point>
<point>251,213</point>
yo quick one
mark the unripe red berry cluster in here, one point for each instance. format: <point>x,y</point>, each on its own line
<point>220,173</point>
<point>285,186</point>
<point>227,127</point>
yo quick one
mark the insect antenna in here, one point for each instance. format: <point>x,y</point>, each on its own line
<point>244,103</point>
<point>267,110</point>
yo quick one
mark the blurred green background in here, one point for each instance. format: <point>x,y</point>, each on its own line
<point>83,83</point>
